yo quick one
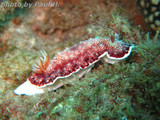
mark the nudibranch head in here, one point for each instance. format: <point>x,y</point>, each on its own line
<point>77,60</point>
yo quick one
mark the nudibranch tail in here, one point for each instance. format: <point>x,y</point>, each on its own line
<point>28,89</point>
<point>42,64</point>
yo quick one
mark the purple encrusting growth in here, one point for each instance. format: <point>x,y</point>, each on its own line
<point>76,60</point>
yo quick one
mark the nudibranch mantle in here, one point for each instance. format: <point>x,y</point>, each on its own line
<point>77,60</point>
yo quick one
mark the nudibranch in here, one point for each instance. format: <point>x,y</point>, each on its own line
<point>72,63</point>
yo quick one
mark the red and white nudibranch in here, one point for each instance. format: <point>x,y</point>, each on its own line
<point>77,60</point>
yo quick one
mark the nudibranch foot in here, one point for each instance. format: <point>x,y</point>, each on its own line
<point>72,63</point>
<point>29,89</point>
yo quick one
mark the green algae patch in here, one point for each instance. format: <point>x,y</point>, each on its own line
<point>16,65</point>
